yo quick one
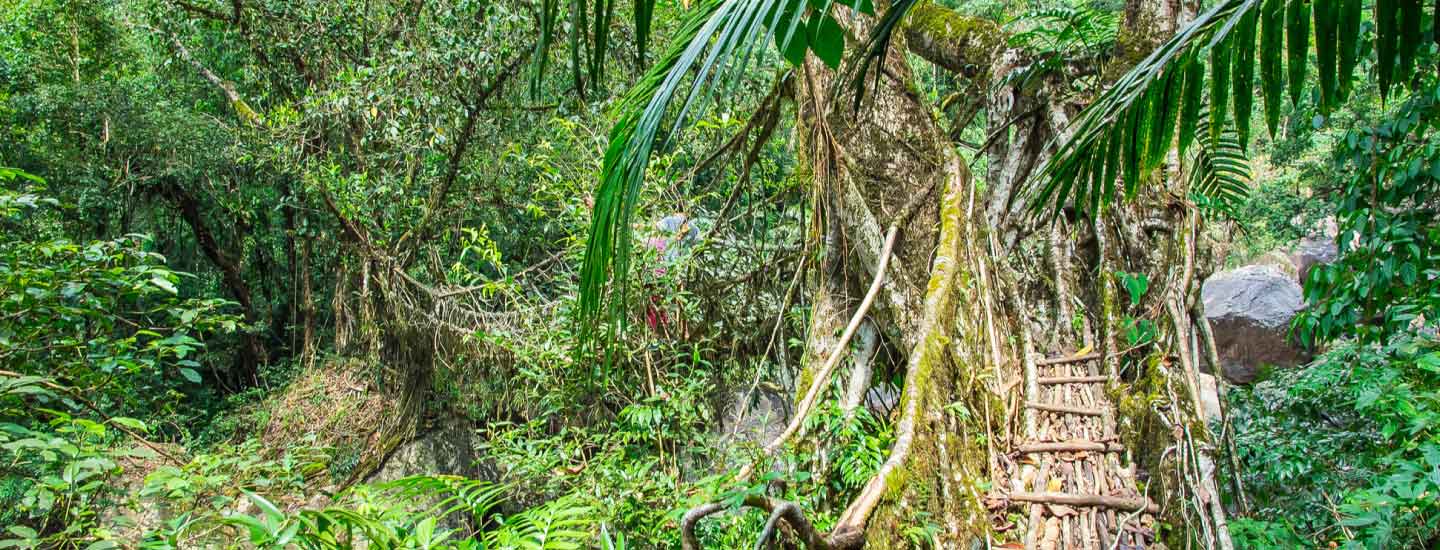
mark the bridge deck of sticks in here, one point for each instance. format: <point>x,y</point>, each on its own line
<point>1068,477</point>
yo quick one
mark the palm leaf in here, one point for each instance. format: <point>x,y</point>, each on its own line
<point>1386,35</point>
<point>1220,57</point>
<point>1409,38</point>
<point>714,43</point>
<point>1297,43</point>
<point>1244,75</point>
<point>1272,81</point>
<point>1191,99</point>
<point>1126,106</point>
<point>1220,171</point>
<point>1326,13</point>
<point>1348,28</point>
<point>644,13</point>
<point>1122,123</point>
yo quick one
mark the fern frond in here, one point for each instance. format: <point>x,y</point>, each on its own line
<point>457,494</point>
<point>561,524</point>
<point>1219,170</point>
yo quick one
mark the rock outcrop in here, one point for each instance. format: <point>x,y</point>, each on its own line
<point>1250,309</point>
<point>1310,252</point>
<point>446,450</point>
<point>758,421</point>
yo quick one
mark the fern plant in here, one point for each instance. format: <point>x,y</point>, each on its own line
<point>1055,35</point>
<point>385,516</point>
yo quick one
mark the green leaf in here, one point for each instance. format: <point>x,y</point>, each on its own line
<point>1145,130</point>
<point>827,39</point>
<point>1167,108</point>
<point>604,12</point>
<point>259,532</point>
<point>1116,143</point>
<point>191,375</point>
<point>1191,99</point>
<point>1244,71</point>
<point>1220,55</point>
<point>1326,43</point>
<point>271,511</point>
<point>1272,41</point>
<point>163,283</point>
<point>644,12</point>
<point>1133,146</point>
<point>1387,31</point>
<point>1409,39</point>
<point>790,30</point>
<point>130,423</point>
<point>866,7</point>
<point>1348,29</point>
<point>23,531</point>
<point>1297,42</point>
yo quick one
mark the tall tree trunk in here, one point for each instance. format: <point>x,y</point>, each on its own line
<point>253,353</point>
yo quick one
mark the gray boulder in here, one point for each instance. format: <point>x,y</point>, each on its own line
<point>1313,251</point>
<point>1250,309</point>
<point>758,421</point>
<point>446,450</point>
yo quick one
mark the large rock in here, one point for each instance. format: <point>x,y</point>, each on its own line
<point>448,449</point>
<point>1313,251</point>
<point>1250,309</point>
<point>758,421</point>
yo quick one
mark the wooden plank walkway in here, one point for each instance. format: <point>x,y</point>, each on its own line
<point>1068,474</point>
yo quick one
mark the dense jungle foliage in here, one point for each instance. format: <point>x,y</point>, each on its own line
<point>511,274</point>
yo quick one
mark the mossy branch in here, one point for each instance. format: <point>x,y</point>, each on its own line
<point>958,43</point>
<point>933,347</point>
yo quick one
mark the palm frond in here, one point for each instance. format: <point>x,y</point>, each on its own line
<point>1134,117</point>
<point>716,43</point>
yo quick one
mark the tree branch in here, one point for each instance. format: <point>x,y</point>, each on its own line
<point>778,509</point>
<point>958,43</point>
<point>421,229</point>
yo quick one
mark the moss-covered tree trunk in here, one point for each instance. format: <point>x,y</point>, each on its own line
<point>974,284</point>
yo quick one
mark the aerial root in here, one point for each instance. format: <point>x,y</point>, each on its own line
<point>778,509</point>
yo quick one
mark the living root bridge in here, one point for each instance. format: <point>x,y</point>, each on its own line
<point>933,349</point>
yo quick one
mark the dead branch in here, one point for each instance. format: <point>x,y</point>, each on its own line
<point>1065,360</point>
<point>1070,446</point>
<point>1119,503</point>
<point>1064,409</point>
<point>1072,379</point>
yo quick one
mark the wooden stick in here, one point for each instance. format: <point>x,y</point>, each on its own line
<point>1070,446</point>
<point>1106,501</point>
<point>1072,359</point>
<point>1066,409</point>
<point>1074,379</point>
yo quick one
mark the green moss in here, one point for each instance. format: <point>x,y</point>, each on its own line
<point>965,43</point>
